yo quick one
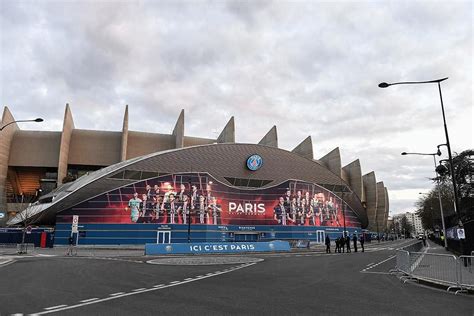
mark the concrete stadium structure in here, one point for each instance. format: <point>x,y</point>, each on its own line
<point>33,160</point>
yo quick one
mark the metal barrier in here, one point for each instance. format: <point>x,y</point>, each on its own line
<point>415,247</point>
<point>466,272</point>
<point>11,248</point>
<point>403,261</point>
<point>448,270</point>
<point>24,248</point>
<point>437,268</point>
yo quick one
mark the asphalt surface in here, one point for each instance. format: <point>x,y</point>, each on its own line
<point>305,283</point>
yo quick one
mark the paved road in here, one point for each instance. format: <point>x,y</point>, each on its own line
<point>308,283</point>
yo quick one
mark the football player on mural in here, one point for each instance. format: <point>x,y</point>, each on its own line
<point>202,210</point>
<point>215,211</point>
<point>280,212</point>
<point>293,216</point>
<point>134,205</point>
<point>184,209</point>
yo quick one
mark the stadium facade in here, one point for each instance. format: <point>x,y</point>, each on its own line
<point>135,187</point>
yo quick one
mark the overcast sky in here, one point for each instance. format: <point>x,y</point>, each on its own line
<point>309,67</point>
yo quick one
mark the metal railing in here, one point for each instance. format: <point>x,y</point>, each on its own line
<point>417,246</point>
<point>466,272</point>
<point>17,248</point>
<point>448,270</point>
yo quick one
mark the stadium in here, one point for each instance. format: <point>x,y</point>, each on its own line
<point>135,188</point>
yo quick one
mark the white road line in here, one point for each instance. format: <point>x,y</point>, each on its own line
<point>65,307</point>
<point>140,289</point>
<point>174,282</point>
<point>187,279</point>
<point>199,276</point>
<point>378,263</point>
<point>118,293</point>
<point>370,264</point>
<point>158,285</point>
<point>89,300</point>
<point>53,307</point>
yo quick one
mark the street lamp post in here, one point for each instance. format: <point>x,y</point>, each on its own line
<point>451,166</point>
<point>39,119</point>
<point>438,153</point>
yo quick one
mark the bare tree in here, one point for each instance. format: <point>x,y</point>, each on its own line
<point>26,216</point>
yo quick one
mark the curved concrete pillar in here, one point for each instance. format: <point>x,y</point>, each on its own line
<point>228,133</point>
<point>387,207</point>
<point>123,155</point>
<point>305,148</point>
<point>178,130</point>
<point>6,136</point>
<point>68,127</point>
<point>370,193</point>
<point>381,206</point>
<point>271,138</point>
<point>353,173</point>
<point>332,161</point>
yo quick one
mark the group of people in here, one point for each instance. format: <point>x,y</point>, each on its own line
<point>344,243</point>
<point>174,207</point>
<point>303,210</point>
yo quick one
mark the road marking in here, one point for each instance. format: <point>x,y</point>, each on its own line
<point>158,285</point>
<point>89,300</point>
<point>59,308</point>
<point>53,307</point>
<point>140,289</point>
<point>118,293</point>
<point>375,272</point>
<point>370,264</point>
<point>378,263</point>
<point>187,279</point>
<point>174,282</point>
<point>199,276</point>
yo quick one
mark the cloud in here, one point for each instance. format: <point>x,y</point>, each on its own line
<point>311,68</point>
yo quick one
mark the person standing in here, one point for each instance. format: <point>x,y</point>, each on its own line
<point>354,240</point>
<point>361,240</point>
<point>348,243</point>
<point>328,244</point>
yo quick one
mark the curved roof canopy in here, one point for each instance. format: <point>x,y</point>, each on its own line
<point>218,160</point>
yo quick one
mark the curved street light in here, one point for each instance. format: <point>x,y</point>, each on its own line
<point>438,153</point>
<point>37,120</point>
<point>451,166</point>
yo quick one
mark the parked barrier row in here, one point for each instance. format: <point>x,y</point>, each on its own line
<point>448,270</point>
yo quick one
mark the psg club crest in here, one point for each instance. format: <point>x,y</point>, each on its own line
<point>254,162</point>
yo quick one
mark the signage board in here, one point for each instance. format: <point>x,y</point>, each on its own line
<point>223,247</point>
<point>461,234</point>
<point>2,215</point>
<point>75,222</point>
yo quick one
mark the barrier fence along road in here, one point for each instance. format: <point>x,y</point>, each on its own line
<point>447,270</point>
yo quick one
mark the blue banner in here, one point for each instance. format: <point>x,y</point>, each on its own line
<point>203,248</point>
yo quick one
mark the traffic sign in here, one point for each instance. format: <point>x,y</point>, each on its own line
<point>461,234</point>
<point>29,229</point>
<point>75,222</point>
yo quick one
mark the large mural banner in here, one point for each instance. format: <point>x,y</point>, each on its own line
<point>201,200</point>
